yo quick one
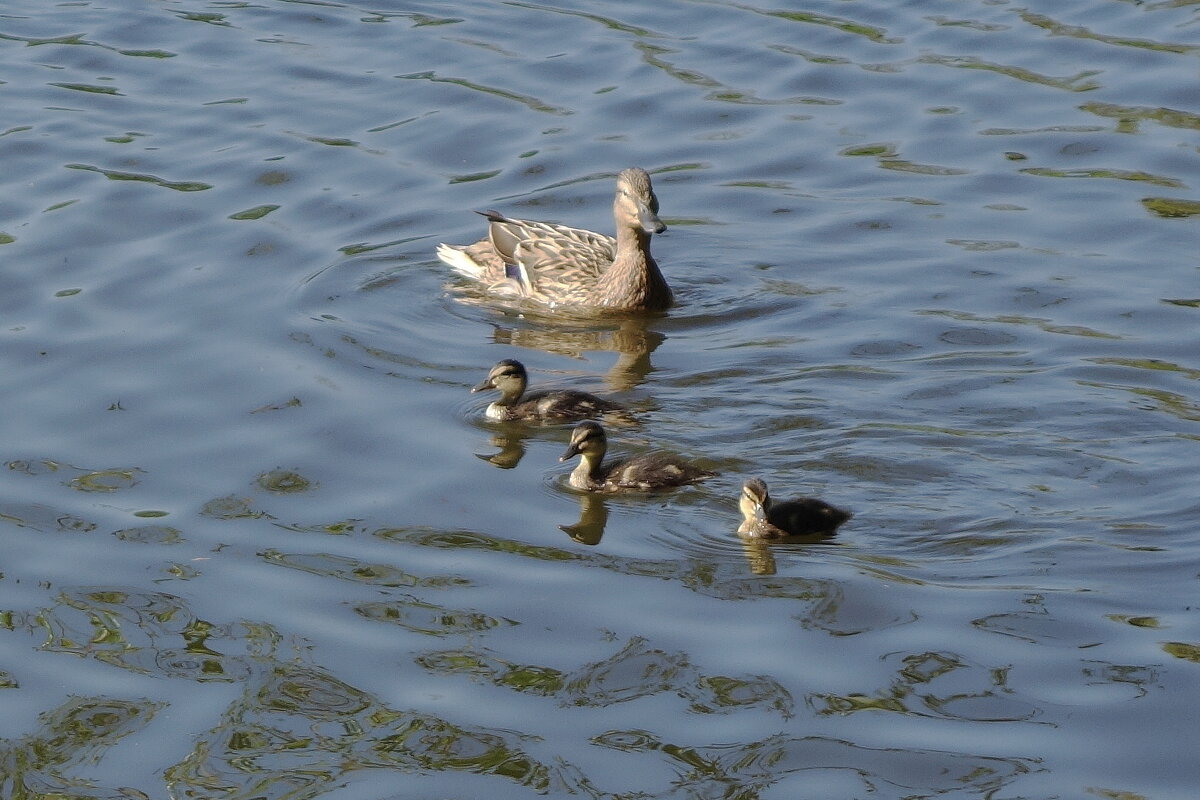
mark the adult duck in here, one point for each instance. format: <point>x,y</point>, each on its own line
<point>558,266</point>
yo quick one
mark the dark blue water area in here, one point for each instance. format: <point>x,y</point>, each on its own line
<point>934,263</point>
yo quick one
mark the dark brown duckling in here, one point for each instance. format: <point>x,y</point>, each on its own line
<point>803,516</point>
<point>639,473</point>
<point>510,378</point>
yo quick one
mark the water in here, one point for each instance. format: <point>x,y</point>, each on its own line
<point>935,263</point>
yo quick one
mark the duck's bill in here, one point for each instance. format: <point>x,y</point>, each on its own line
<point>650,221</point>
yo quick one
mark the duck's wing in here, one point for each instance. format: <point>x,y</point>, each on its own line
<point>655,470</point>
<point>806,515</point>
<point>543,260</point>
<point>549,261</point>
<point>507,234</point>
<point>568,404</point>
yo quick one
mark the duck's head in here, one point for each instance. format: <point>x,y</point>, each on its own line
<point>587,439</point>
<point>508,376</point>
<point>635,204</point>
<point>754,501</point>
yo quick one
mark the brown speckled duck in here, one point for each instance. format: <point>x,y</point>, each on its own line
<point>561,266</point>
<point>560,405</point>
<point>639,473</point>
<point>763,519</point>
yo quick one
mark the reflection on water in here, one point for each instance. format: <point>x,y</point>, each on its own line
<point>636,671</point>
<point>511,449</point>
<point>753,767</point>
<point>593,516</point>
<point>937,684</point>
<point>292,726</point>
<point>303,731</point>
<point>632,340</point>
<point>71,738</point>
<point>300,727</point>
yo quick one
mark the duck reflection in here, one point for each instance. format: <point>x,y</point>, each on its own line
<point>631,339</point>
<point>512,448</point>
<point>759,556</point>
<point>760,553</point>
<point>593,516</point>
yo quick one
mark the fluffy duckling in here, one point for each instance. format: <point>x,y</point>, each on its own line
<point>510,378</point>
<point>763,519</point>
<point>640,473</point>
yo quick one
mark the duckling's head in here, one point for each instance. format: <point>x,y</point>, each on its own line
<point>508,376</point>
<point>635,203</point>
<point>754,501</point>
<point>588,440</point>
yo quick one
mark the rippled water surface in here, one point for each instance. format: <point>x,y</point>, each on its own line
<point>935,263</point>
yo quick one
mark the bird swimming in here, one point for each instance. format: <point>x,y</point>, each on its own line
<point>762,519</point>
<point>557,265</point>
<point>510,379</point>
<point>639,473</point>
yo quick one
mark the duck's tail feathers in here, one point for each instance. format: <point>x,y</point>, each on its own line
<point>460,262</point>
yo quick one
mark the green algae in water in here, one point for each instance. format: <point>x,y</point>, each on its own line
<point>150,534</point>
<point>476,176</point>
<point>273,177</point>
<point>333,141</point>
<point>113,175</point>
<point>182,572</point>
<point>1184,650</point>
<point>231,507</point>
<point>104,480</point>
<point>258,212</point>
<point>869,150</point>
<point>87,87</point>
<point>1172,207</point>
<point>282,481</point>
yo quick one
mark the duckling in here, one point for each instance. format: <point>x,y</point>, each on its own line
<point>640,473</point>
<point>510,378</point>
<point>803,516</point>
<point>561,266</point>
